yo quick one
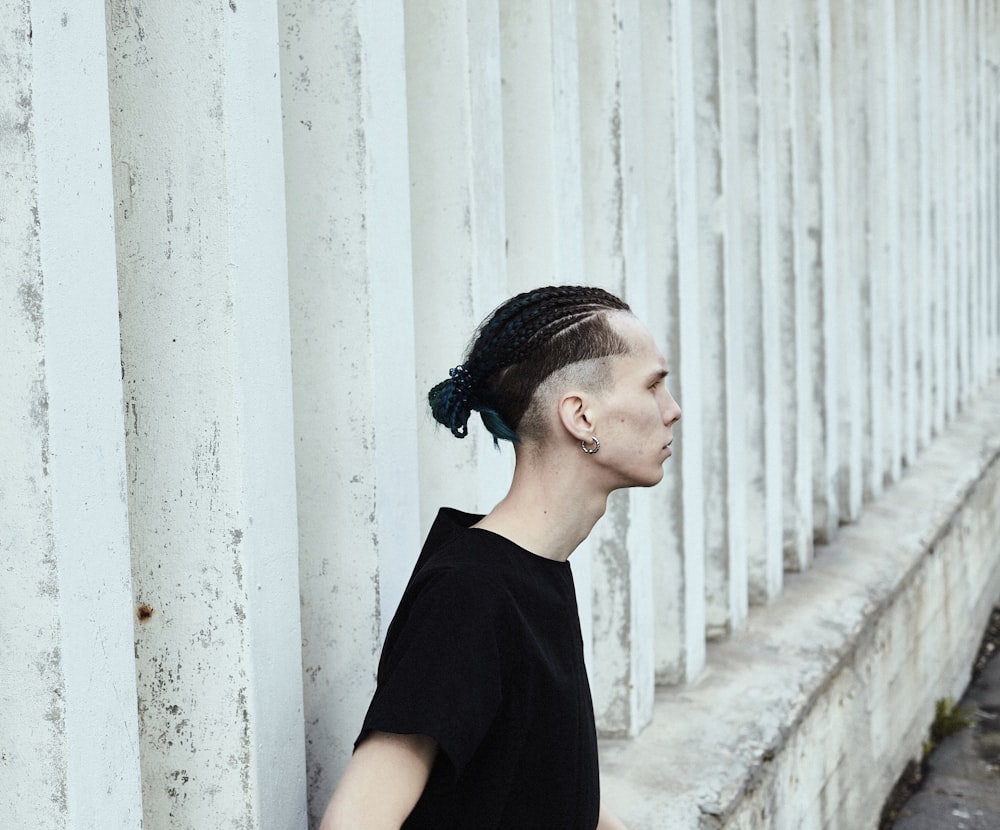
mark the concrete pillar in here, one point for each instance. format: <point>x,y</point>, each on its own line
<point>761,366</point>
<point>67,699</point>
<point>951,198</point>
<point>680,632</point>
<point>991,37</point>
<point>908,153</point>
<point>988,96</point>
<point>611,164</point>
<point>826,344</point>
<point>937,109</point>
<point>205,345</point>
<point>718,140</point>
<point>347,180</point>
<point>541,143</point>
<point>883,230</point>
<point>865,195</point>
<point>457,201</point>
<point>660,214</point>
<point>966,330</point>
<point>967,162</point>
<point>680,627</point>
<point>978,180</point>
<point>993,151</point>
<point>812,219</point>
<point>543,196</point>
<point>926,351</point>
<point>844,58</point>
<point>991,148</point>
<point>736,71</point>
<point>893,443</point>
<point>778,257</point>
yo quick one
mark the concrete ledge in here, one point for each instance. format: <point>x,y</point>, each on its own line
<point>807,718</point>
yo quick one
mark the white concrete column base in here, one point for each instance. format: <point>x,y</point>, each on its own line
<point>807,718</point>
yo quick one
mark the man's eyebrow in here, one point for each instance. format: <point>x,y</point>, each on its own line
<point>659,374</point>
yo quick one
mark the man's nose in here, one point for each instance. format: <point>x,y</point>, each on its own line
<point>672,414</point>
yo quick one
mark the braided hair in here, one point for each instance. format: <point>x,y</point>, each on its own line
<point>517,347</point>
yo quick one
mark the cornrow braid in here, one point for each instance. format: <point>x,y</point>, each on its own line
<point>517,347</point>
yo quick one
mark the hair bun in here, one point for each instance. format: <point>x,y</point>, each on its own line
<point>449,401</point>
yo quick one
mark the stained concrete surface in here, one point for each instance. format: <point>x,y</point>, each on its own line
<point>961,790</point>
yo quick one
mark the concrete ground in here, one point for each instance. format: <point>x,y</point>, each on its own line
<point>961,788</point>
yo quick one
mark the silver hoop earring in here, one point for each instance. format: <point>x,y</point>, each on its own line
<point>597,446</point>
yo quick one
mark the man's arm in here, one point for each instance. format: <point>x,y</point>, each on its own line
<point>609,821</point>
<point>382,782</point>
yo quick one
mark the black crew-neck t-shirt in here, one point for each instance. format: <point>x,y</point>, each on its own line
<point>485,656</point>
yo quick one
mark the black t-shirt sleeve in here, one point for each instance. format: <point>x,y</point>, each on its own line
<point>440,673</point>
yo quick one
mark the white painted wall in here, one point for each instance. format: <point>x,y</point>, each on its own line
<point>347,189</point>
<point>69,754</point>
<point>314,205</point>
<point>206,369</point>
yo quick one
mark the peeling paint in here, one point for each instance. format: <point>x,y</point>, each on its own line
<point>30,294</point>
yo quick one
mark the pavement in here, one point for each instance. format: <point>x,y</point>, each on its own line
<point>961,786</point>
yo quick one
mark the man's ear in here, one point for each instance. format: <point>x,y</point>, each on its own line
<point>576,416</point>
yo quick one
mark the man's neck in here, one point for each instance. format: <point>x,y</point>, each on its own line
<point>543,514</point>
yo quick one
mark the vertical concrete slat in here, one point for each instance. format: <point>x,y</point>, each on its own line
<point>660,216</point>
<point>543,196</point>
<point>826,344</point>
<point>541,135</point>
<point>865,193</point>
<point>717,136</point>
<point>926,274</point>
<point>736,71</point>
<point>690,443</point>
<point>894,424</point>
<point>614,256</point>
<point>882,247</point>
<point>993,151</point>
<point>908,151</point>
<point>816,280</point>
<point>457,197</point>
<point>762,361</point>
<point>957,303</point>
<point>273,734</point>
<point>707,83</point>
<point>940,281</point>
<point>949,210</point>
<point>778,257</point>
<point>977,168</point>
<point>980,167</point>
<point>893,444</point>
<point>67,696</point>
<point>850,365</point>
<point>987,219</point>
<point>991,92</point>
<point>762,352</point>
<point>205,344</point>
<point>947,276</point>
<point>966,158</point>
<point>988,93</point>
<point>979,178</point>
<point>347,185</point>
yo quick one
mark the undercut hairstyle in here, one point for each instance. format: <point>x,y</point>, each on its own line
<point>521,344</point>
